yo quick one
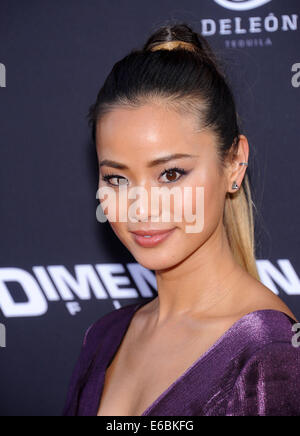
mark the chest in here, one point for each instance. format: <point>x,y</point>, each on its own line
<point>138,376</point>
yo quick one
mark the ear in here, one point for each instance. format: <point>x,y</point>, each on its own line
<point>235,171</point>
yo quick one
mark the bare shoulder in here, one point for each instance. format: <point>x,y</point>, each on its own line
<point>260,297</point>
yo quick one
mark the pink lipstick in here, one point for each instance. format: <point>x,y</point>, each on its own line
<point>151,238</point>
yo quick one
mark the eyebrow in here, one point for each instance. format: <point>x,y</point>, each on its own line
<point>155,162</point>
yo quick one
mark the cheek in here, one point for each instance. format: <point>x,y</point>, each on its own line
<point>112,203</point>
<point>206,198</point>
<point>109,211</point>
<point>116,228</point>
<point>214,198</point>
<point>120,231</point>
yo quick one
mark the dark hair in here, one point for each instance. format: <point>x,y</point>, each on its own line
<point>188,77</point>
<point>183,77</point>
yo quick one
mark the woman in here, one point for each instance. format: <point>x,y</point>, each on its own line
<point>215,341</point>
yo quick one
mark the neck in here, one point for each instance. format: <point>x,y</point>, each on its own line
<point>202,284</point>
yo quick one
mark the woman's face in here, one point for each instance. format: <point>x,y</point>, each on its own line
<point>134,138</point>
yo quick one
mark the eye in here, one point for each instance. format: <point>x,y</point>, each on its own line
<point>171,174</point>
<point>108,177</point>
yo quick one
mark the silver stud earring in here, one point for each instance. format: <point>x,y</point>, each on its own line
<point>235,185</point>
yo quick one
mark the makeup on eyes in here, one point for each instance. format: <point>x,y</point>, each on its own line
<point>107,177</point>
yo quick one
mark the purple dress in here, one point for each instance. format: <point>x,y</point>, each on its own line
<point>251,370</point>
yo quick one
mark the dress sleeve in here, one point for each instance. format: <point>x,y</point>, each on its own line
<point>269,383</point>
<point>70,406</point>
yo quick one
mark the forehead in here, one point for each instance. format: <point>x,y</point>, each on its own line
<point>146,130</point>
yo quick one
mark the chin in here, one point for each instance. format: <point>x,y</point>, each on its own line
<point>165,256</point>
<point>154,264</point>
<point>157,260</point>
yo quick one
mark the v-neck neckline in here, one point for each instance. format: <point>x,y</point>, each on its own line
<point>190,368</point>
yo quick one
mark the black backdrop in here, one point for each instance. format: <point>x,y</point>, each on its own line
<point>60,269</point>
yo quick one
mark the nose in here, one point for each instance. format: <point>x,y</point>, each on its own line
<point>142,209</point>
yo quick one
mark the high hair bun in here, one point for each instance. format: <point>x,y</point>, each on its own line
<point>182,36</point>
<point>172,45</point>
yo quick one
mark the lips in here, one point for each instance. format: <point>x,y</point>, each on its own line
<point>151,232</point>
<point>154,237</point>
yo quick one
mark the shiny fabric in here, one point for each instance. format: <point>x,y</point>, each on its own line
<point>251,370</point>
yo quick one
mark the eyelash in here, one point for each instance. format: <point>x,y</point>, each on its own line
<point>106,178</point>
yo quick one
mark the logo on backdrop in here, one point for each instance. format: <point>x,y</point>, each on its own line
<point>247,30</point>
<point>241,5</point>
<point>44,285</point>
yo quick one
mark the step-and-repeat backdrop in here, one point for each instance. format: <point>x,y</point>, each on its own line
<point>60,269</point>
